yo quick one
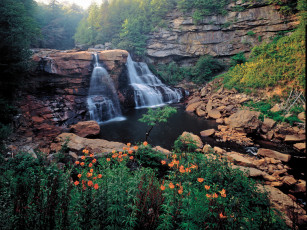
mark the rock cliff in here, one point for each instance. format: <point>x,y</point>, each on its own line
<point>55,94</point>
<point>216,35</point>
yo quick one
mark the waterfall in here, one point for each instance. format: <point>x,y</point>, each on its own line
<point>149,91</point>
<point>102,100</point>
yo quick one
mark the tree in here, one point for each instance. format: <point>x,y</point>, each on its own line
<point>156,116</point>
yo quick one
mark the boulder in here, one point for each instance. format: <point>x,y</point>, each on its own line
<point>86,128</point>
<point>193,106</point>
<point>214,113</point>
<point>302,116</point>
<point>276,108</point>
<point>162,150</point>
<point>284,204</point>
<point>188,138</point>
<point>267,125</point>
<point>200,112</point>
<point>77,144</point>
<point>300,146</point>
<point>207,148</point>
<point>274,154</point>
<point>300,187</point>
<point>244,119</point>
<point>194,100</point>
<point>238,159</point>
<point>289,180</point>
<point>295,138</point>
<point>218,150</point>
<point>207,133</point>
<point>220,121</point>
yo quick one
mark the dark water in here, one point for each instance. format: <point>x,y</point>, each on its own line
<point>164,134</point>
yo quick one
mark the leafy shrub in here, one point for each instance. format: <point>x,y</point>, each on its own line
<point>251,33</point>
<point>206,68</point>
<point>280,62</point>
<point>237,59</point>
<point>198,191</point>
<point>172,73</point>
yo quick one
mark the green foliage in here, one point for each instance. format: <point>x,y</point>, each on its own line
<point>206,68</point>
<point>280,62</point>
<point>197,191</point>
<point>172,73</point>
<point>237,8</point>
<point>259,38</point>
<point>251,33</point>
<point>237,59</point>
<point>158,115</point>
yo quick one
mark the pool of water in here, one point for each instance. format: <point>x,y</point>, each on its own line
<point>163,134</point>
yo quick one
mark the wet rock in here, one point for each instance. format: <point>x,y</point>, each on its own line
<point>207,133</point>
<point>192,107</point>
<point>73,155</point>
<point>218,150</point>
<point>86,128</point>
<point>300,187</point>
<point>207,148</point>
<point>220,121</point>
<point>274,154</point>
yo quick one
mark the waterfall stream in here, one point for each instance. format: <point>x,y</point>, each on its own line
<point>102,100</point>
<point>149,91</point>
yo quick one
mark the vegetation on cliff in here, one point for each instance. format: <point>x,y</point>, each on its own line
<point>184,190</point>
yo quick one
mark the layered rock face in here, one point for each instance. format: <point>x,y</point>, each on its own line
<point>54,97</point>
<point>219,36</point>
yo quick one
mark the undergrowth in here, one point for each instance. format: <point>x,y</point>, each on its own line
<point>136,188</point>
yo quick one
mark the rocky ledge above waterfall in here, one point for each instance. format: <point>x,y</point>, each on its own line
<point>54,96</point>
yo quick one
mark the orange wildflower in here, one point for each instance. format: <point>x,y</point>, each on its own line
<point>181,169</point>
<point>171,185</point>
<point>90,183</point>
<point>108,159</point>
<point>94,178</point>
<point>77,162</point>
<point>163,162</point>
<point>83,157</point>
<point>188,170</point>
<point>90,165</point>
<point>121,159</point>
<point>92,155</point>
<point>176,162</point>
<point>208,195</point>
<point>124,148</point>
<point>91,170</point>
<point>180,191</point>
<point>130,151</point>
<point>222,216</point>
<point>171,164</point>
<point>131,157</point>
<point>135,147</point>
<point>99,176</point>
<point>145,143</point>
<point>96,186</point>
<point>200,180</point>
<point>94,161</point>
<point>76,182</point>
<point>207,187</point>
<point>162,187</point>
<point>114,155</point>
<point>125,154</point>
<point>89,174</point>
<point>120,153</point>
<point>215,195</point>
<point>113,151</point>
<point>82,163</point>
<point>128,144</point>
<point>79,175</point>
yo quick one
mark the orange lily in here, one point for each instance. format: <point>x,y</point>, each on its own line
<point>200,180</point>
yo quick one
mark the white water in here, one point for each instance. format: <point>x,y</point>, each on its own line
<point>149,91</point>
<point>102,100</point>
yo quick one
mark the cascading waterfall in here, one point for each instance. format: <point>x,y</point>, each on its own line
<point>149,91</point>
<point>102,100</point>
